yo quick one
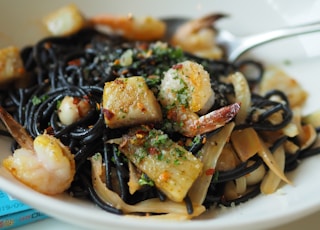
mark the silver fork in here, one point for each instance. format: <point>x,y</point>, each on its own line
<point>235,47</point>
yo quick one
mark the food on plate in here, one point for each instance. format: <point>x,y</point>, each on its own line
<point>72,109</point>
<point>167,208</point>
<point>171,167</point>
<point>278,79</point>
<point>198,36</point>
<point>151,128</point>
<point>65,21</point>
<point>11,65</point>
<point>138,105</point>
<point>44,164</point>
<point>132,27</point>
<point>185,90</point>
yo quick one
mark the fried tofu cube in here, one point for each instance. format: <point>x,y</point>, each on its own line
<point>11,64</point>
<point>65,21</point>
<point>171,167</point>
<point>129,101</point>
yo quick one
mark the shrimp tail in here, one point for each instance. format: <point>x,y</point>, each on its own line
<point>215,119</point>
<point>207,21</point>
<point>17,131</point>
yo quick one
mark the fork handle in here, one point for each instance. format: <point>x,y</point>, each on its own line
<point>249,42</point>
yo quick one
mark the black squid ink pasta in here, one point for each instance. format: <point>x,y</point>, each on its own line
<point>80,64</point>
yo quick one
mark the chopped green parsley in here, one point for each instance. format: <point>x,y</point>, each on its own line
<point>145,180</point>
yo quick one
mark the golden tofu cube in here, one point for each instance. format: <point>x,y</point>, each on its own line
<point>65,21</point>
<point>11,64</point>
<point>129,101</point>
<point>172,168</point>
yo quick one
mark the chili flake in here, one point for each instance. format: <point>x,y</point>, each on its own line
<point>210,171</point>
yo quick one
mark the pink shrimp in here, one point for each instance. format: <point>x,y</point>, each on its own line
<point>198,37</point>
<point>185,92</point>
<point>134,28</point>
<point>43,164</point>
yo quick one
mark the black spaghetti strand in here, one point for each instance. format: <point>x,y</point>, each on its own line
<point>189,205</point>
<point>291,162</point>
<point>309,152</point>
<point>4,133</point>
<point>252,70</point>
<point>239,171</point>
<point>161,195</point>
<point>278,143</point>
<point>269,107</point>
<point>97,200</point>
<point>82,155</point>
<point>122,174</point>
<point>107,155</point>
<point>229,203</point>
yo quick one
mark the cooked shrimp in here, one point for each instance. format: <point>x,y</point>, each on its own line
<point>44,164</point>
<point>73,109</point>
<point>185,92</point>
<point>134,28</point>
<point>198,37</point>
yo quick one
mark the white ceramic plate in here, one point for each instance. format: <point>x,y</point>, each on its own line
<point>20,25</point>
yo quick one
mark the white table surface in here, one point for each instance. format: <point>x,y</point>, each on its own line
<point>311,222</point>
